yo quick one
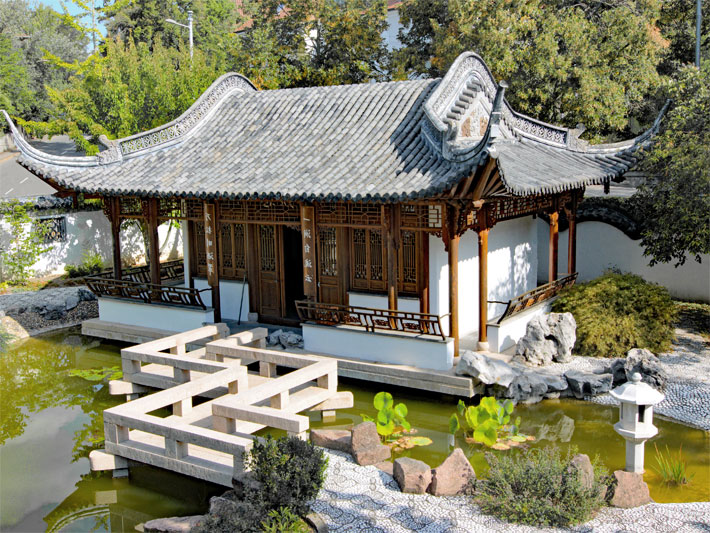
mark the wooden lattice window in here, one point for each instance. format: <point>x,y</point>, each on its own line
<point>200,250</point>
<point>53,229</point>
<point>231,246</point>
<point>368,260</point>
<point>408,262</point>
<point>267,257</point>
<point>328,252</point>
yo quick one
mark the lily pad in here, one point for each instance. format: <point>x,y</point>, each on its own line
<point>500,446</point>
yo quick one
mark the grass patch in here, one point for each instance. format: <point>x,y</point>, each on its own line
<point>672,468</point>
<point>694,317</point>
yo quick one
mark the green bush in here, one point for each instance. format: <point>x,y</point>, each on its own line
<point>91,263</point>
<point>617,312</point>
<point>287,475</point>
<point>537,488</point>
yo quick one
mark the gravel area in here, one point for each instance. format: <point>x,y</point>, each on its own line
<point>34,322</point>
<point>363,498</point>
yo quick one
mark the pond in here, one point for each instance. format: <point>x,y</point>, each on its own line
<point>50,420</point>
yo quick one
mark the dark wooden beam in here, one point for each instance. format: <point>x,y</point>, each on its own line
<point>424,273</point>
<point>554,243</point>
<point>483,178</point>
<point>310,262</point>
<point>153,241</point>
<point>115,210</point>
<point>392,237</point>
<point>212,253</point>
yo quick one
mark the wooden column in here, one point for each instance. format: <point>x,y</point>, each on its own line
<point>483,289</point>
<point>572,243</point>
<point>115,210</point>
<point>554,242</point>
<point>211,252</point>
<point>310,261</point>
<point>452,223</point>
<point>392,238</point>
<point>153,241</point>
<point>424,273</point>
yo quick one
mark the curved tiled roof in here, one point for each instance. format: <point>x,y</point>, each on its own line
<point>371,142</point>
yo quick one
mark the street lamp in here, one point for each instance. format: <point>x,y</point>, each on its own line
<point>188,26</point>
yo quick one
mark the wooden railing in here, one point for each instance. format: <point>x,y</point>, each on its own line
<point>146,292</point>
<point>369,318</point>
<point>534,296</point>
<point>170,270</point>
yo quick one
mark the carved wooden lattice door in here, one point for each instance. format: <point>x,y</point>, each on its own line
<point>328,277</point>
<point>268,241</point>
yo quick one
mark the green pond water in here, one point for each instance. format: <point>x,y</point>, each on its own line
<point>50,420</point>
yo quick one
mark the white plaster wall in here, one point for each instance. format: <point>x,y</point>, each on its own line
<point>90,231</point>
<point>511,330</point>
<point>379,347</point>
<point>229,293</point>
<point>512,270</point>
<point>167,317</point>
<point>379,301</point>
<point>601,246</point>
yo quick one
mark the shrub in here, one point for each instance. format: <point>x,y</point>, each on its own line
<point>617,312</point>
<point>91,263</point>
<point>24,246</point>
<point>536,488</point>
<point>287,475</point>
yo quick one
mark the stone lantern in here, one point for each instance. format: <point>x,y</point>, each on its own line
<point>636,418</point>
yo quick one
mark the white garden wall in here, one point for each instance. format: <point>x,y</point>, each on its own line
<point>601,246</point>
<point>380,301</point>
<point>165,317</point>
<point>229,294</point>
<point>91,231</point>
<point>512,270</point>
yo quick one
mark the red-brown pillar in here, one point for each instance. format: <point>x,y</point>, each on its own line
<point>554,242</point>
<point>451,228</point>
<point>572,243</point>
<point>211,253</point>
<point>483,289</point>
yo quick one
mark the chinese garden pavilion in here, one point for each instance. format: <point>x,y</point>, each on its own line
<point>391,210</point>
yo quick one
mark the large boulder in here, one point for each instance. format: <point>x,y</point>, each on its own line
<point>581,467</point>
<point>289,339</point>
<point>556,384</point>
<point>453,476</point>
<point>488,370</point>
<point>630,490</point>
<point>645,363</point>
<point>365,445</point>
<point>412,476</point>
<point>333,439</point>
<point>527,388</point>
<point>548,338</point>
<point>272,339</point>
<point>584,384</point>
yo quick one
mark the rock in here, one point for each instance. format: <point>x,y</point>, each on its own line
<point>645,363</point>
<point>13,328</point>
<point>371,456</point>
<point>453,476</point>
<point>581,466</point>
<point>527,388</point>
<point>563,329</point>
<point>412,476</point>
<point>556,385</point>
<point>364,436</point>
<point>630,490</point>
<point>333,439</point>
<point>548,338</point>
<point>53,309</point>
<point>587,384</point>
<point>85,295</point>
<point>291,340</point>
<point>272,339</point>
<point>71,302</point>
<point>486,369</point>
<point>387,467</point>
<point>175,524</point>
<point>221,506</point>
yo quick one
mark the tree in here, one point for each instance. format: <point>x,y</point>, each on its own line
<point>34,35</point>
<point>128,89</point>
<point>311,42</point>
<point>144,20</point>
<point>675,202</point>
<point>25,243</point>
<point>566,62</point>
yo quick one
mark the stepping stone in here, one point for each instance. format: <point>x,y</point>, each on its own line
<point>333,439</point>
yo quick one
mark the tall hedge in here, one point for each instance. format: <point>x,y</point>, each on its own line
<point>617,312</point>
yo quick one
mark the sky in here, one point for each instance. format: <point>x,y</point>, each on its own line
<point>73,9</point>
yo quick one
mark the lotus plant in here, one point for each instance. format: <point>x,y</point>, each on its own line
<point>392,424</point>
<point>488,423</point>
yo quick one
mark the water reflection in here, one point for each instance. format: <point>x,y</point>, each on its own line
<point>557,427</point>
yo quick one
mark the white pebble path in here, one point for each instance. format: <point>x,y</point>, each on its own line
<point>365,499</point>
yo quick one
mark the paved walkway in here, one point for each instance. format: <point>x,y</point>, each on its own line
<point>365,499</point>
